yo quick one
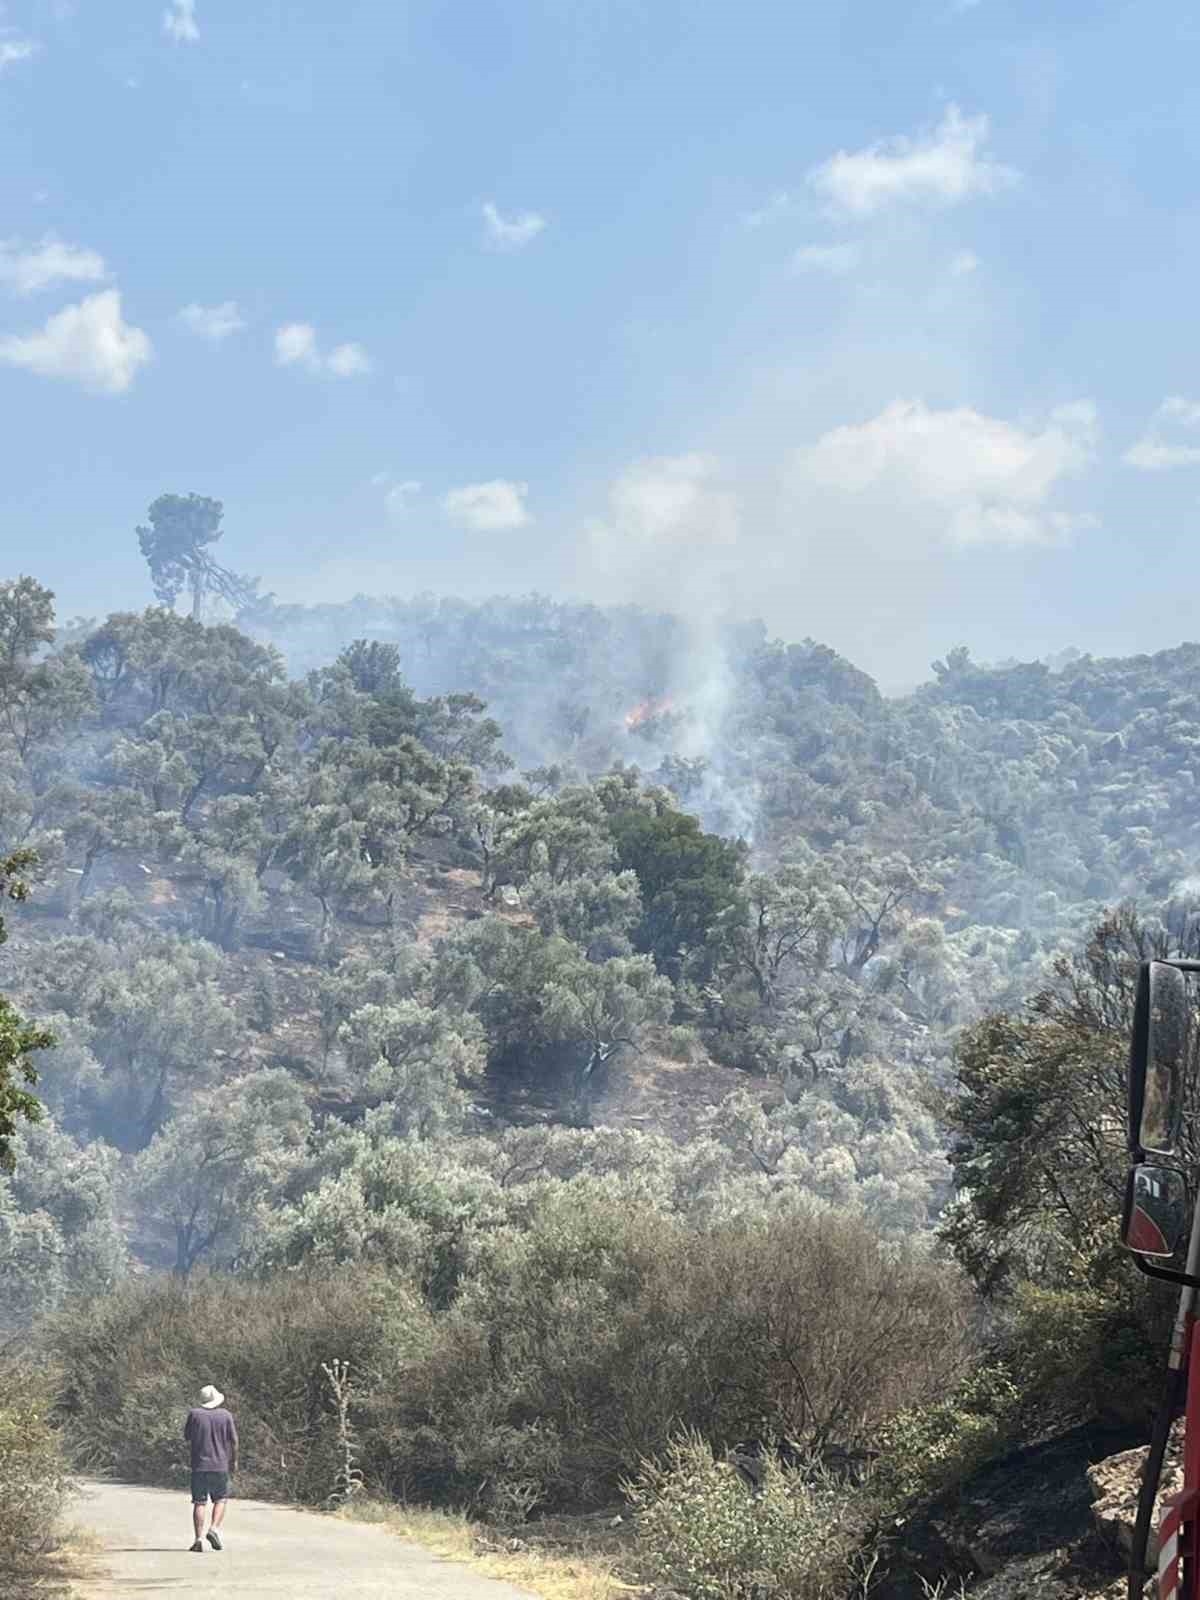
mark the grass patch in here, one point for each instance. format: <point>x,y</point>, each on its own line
<point>54,1572</point>
<point>553,1562</point>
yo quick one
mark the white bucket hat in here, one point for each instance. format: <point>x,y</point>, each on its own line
<point>211,1397</point>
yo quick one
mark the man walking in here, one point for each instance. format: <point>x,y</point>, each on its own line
<point>212,1434</point>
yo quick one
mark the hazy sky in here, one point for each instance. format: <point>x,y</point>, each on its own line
<point>877,318</point>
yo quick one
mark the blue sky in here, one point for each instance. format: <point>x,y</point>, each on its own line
<point>877,319</point>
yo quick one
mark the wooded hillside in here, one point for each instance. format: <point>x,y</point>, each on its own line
<point>434,948</point>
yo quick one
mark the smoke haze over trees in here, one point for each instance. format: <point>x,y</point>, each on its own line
<point>413,937</point>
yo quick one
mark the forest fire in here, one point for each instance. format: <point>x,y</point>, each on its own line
<point>646,710</point>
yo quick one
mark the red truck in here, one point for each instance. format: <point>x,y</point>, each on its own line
<point>1161,1225</point>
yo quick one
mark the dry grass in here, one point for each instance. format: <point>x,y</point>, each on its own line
<point>55,1573</point>
<point>556,1566</point>
<point>663,1095</point>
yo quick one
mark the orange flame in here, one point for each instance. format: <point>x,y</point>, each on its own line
<point>646,709</point>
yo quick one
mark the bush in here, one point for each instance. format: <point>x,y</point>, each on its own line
<point>1085,1352</point>
<point>132,1363</point>
<point>263,1010</point>
<point>34,1485</point>
<point>568,1346</point>
<point>679,1043</point>
<point>702,1531</point>
<point>934,1448</point>
<point>579,1343</point>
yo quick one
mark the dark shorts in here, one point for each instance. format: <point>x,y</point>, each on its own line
<point>212,1486</point>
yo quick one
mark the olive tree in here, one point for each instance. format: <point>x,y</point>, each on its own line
<point>19,1039</point>
<point>205,1172</point>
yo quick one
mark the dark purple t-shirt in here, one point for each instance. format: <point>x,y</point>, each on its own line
<point>213,1438</point>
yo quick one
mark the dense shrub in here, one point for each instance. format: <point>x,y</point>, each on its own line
<point>34,1485</point>
<point>580,1338</point>
<point>702,1530</point>
<point>579,1342</point>
<point>932,1448</point>
<point>1078,1352</point>
<point>132,1364</point>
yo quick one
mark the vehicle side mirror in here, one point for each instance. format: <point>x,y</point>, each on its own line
<point>1158,1056</point>
<point>1157,1215</point>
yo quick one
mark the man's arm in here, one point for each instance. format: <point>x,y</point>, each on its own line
<point>187,1427</point>
<point>233,1430</point>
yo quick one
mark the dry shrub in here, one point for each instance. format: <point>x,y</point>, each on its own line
<point>132,1364</point>
<point>830,1330</point>
<point>580,1345</point>
<point>34,1485</point>
<point>580,1340</point>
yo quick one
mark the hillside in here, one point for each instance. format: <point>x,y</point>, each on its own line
<point>454,944</point>
<point>348,813</point>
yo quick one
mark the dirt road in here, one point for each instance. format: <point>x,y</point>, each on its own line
<point>142,1536</point>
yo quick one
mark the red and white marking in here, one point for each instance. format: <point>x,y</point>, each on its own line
<point>1168,1555</point>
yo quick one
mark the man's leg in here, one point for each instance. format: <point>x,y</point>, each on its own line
<point>198,1521</point>
<point>220,1494</point>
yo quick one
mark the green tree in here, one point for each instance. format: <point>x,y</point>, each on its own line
<point>547,1009</point>
<point>42,703</point>
<point>60,1233</point>
<point>413,1062</point>
<point>26,622</point>
<point>411,1206</point>
<point>206,1171</point>
<point>99,822</point>
<point>558,838</point>
<point>688,878</point>
<point>595,911</point>
<point>881,891</point>
<point>230,850</point>
<point>175,548</point>
<point>1038,1115</point>
<point>324,850</point>
<point>159,1020</point>
<point>374,666</point>
<point>18,1038</point>
<point>364,809</point>
<point>783,926</point>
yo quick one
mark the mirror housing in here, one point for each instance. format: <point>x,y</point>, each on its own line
<point>1158,1056</point>
<point>1157,1214</point>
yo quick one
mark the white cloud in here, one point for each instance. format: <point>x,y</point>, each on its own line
<point>510,233</point>
<point>492,507</point>
<point>966,478</point>
<point>1151,455</point>
<point>941,168</point>
<point>670,498</point>
<point>1179,409</point>
<point>348,361</point>
<point>836,259</point>
<point>296,346</point>
<point>1157,450</point>
<point>179,22</point>
<point>26,269</point>
<point>88,343</point>
<point>963,263</point>
<point>212,322</point>
<point>672,530</point>
<point>14,50</point>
